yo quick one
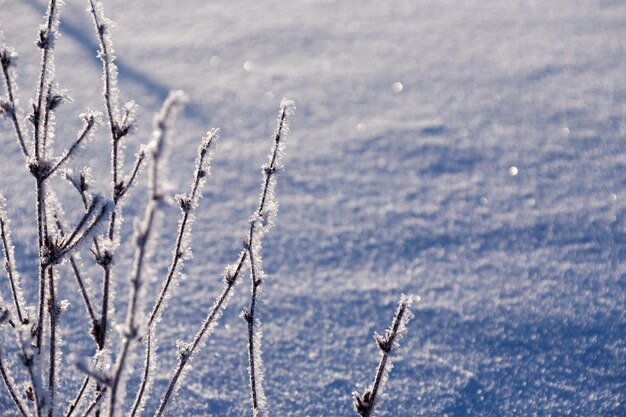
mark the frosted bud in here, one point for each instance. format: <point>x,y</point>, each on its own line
<point>6,108</point>
<point>183,350</point>
<point>230,274</point>
<point>8,57</point>
<point>4,315</point>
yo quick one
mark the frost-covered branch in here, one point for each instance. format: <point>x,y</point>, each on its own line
<point>8,57</point>
<point>364,404</point>
<point>9,263</point>
<point>9,382</point>
<point>263,219</point>
<point>119,127</point>
<point>255,369</point>
<point>46,42</point>
<point>188,204</point>
<point>90,122</point>
<point>77,274</point>
<point>76,400</point>
<point>156,152</point>
<point>95,214</point>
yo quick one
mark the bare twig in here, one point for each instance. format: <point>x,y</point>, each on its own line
<point>76,401</point>
<point>262,217</point>
<point>77,274</point>
<point>255,372</point>
<point>124,186</point>
<point>187,205</point>
<point>53,313</point>
<point>95,402</point>
<point>9,264</point>
<point>10,384</point>
<point>46,42</point>
<point>7,60</point>
<point>90,121</point>
<point>117,131</point>
<point>364,404</point>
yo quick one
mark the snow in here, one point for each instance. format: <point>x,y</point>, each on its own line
<point>469,152</point>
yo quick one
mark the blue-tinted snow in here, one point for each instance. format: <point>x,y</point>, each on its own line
<point>521,277</point>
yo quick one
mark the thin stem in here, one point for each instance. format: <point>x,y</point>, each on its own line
<point>89,124</point>
<point>95,402</point>
<point>107,63</point>
<point>206,325</point>
<point>232,274</point>
<point>126,185</point>
<point>76,239</point>
<point>53,312</point>
<point>8,381</point>
<point>46,43</point>
<point>77,275</point>
<point>144,379</point>
<point>249,317</point>
<point>81,223</point>
<point>131,326</point>
<point>41,216</point>
<point>27,360</point>
<point>187,205</point>
<point>364,404</point>
<point>6,63</point>
<point>10,268</point>
<point>46,124</point>
<point>157,147</point>
<point>74,404</point>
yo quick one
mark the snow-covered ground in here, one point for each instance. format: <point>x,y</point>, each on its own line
<point>469,152</point>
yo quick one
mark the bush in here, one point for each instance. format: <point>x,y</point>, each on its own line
<point>35,386</point>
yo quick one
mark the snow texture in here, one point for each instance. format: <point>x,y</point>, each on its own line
<point>469,152</point>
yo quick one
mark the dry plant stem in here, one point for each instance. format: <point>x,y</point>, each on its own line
<point>52,311</point>
<point>41,215</point>
<point>231,275</point>
<point>249,317</point>
<point>95,402</point>
<point>144,234</point>
<point>45,127</point>
<point>12,389</point>
<point>46,45</point>
<point>255,281</point>
<point>9,266</point>
<point>364,405</point>
<point>187,212</point>
<point>184,358</point>
<point>160,133</point>
<point>27,360</point>
<point>76,401</point>
<point>79,278</point>
<point>144,378</point>
<point>89,124</point>
<point>107,63</point>
<point>131,325</point>
<point>188,204</point>
<point>13,114</point>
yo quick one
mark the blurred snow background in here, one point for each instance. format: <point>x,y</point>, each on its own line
<point>470,152</point>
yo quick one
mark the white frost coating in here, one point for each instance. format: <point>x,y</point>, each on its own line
<point>46,39</point>
<point>9,264</point>
<point>106,54</point>
<point>188,203</point>
<point>260,222</point>
<point>262,407</point>
<point>366,403</point>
